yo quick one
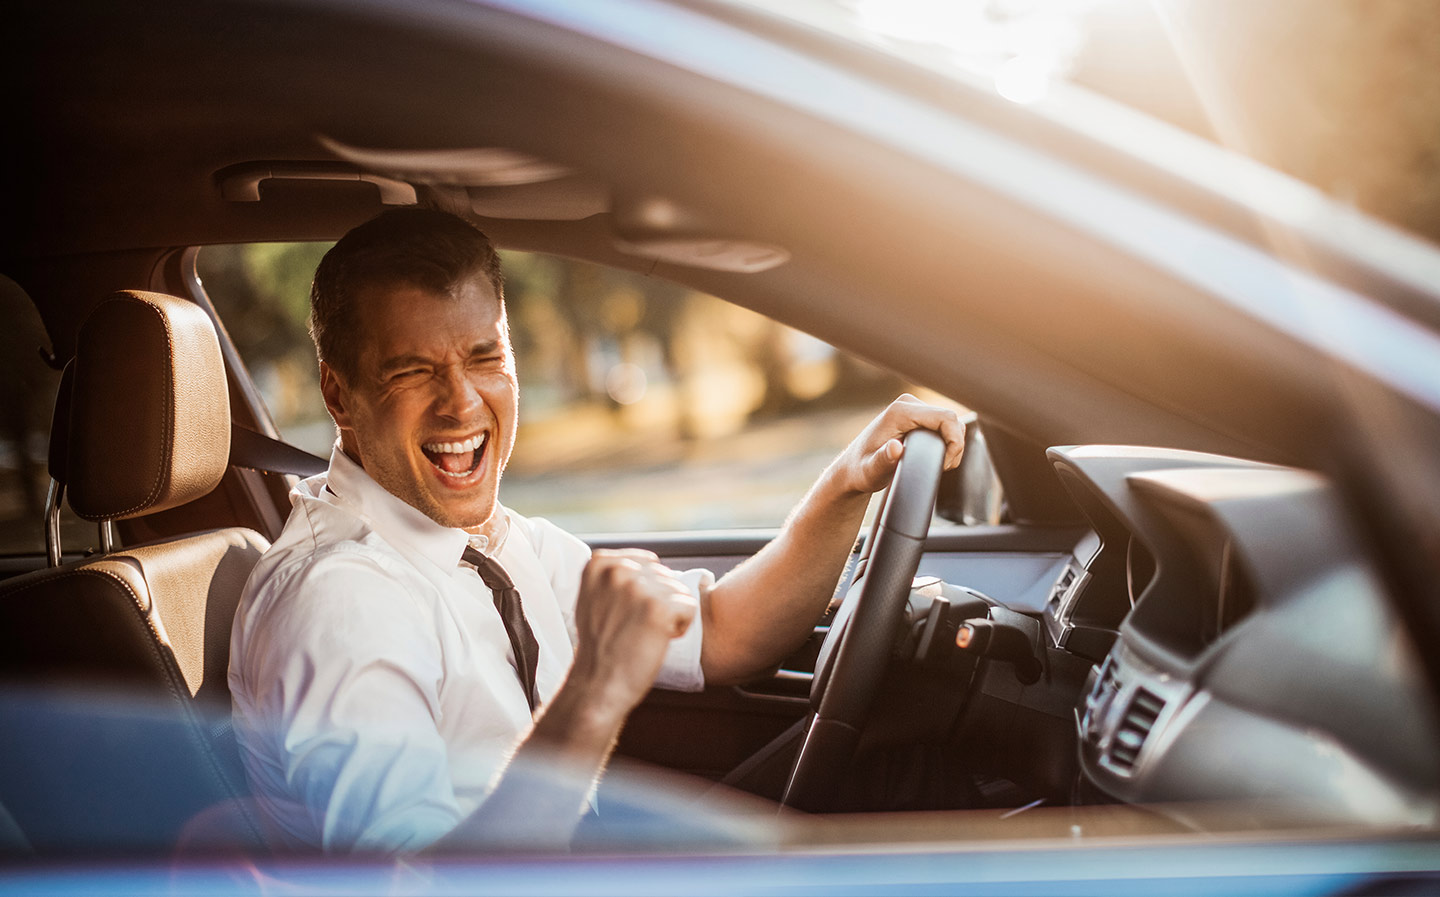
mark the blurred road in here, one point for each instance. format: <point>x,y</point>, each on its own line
<point>588,475</point>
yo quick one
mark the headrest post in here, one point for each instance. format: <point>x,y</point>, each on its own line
<point>52,521</point>
<point>107,537</point>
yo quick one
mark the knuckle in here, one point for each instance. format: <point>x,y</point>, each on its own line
<point>623,580</point>
<point>685,606</point>
<point>614,572</point>
<point>600,562</point>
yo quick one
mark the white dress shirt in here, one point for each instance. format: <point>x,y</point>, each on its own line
<point>375,691</point>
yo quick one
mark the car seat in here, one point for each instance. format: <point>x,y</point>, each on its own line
<point>114,709</point>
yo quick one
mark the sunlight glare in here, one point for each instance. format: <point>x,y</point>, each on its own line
<point>1024,79</point>
<point>1023,45</point>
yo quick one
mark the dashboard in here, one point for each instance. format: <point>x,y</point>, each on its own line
<point>1244,648</point>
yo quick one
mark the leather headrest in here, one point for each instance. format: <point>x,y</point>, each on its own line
<point>149,410</point>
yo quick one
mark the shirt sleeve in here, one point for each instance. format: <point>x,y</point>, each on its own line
<point>342,700</point>
<point>681,670</point>
<point>564,556</point>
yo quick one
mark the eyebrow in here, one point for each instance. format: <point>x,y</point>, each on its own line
<point>400,362</point>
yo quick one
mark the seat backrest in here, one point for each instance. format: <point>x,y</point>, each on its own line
<point>115,705</point>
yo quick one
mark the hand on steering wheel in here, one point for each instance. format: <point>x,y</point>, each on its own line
<point>857,650</point>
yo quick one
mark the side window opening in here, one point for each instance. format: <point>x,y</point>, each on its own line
<point>645,406</point>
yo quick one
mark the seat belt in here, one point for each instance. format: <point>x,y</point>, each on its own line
<point>256,451</point>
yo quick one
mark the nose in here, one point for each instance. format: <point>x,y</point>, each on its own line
<point>457,398</point>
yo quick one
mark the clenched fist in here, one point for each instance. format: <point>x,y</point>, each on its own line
<point>629,608</point>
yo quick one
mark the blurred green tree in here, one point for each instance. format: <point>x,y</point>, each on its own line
<point>262,292</point>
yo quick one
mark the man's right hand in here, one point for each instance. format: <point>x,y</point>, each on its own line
<point>629,608</point>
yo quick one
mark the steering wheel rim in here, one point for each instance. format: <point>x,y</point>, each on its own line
<point>857,650</point>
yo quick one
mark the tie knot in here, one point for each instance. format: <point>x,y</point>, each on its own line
<point>491,573</point>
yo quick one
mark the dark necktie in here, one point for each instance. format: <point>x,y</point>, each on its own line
<point>507,601</point>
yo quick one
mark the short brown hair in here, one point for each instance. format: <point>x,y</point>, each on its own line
<point>426,248</point>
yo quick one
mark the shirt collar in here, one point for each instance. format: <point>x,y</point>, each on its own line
<point>400,524</point>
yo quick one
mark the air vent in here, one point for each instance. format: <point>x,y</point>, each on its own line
<point>1098,701</point>
<point>1062,586</point>
<point>1134,728</point>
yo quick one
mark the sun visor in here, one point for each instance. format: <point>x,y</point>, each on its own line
<point>658,228</point>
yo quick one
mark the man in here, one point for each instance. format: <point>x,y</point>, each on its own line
<point>386,682</point>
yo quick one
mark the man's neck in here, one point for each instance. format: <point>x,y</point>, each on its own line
<point>495,530</point>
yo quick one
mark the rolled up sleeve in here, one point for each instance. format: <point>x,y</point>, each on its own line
<point>681,669</point>
<point>564,557</point>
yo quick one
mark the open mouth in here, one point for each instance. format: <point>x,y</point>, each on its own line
<point>456,460</point>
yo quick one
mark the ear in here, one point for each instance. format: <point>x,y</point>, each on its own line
<point>337,396</point>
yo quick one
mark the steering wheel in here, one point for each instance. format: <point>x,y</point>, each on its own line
<point>855,653</point>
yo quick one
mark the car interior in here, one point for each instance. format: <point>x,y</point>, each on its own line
<point>1179,607</point>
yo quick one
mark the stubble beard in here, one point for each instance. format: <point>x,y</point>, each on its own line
<point>417,497</point>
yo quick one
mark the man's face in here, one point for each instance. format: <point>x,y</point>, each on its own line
<point>430,413</point>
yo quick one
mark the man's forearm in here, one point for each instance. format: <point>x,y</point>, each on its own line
<point>765,609</point>
<point>542,791</point>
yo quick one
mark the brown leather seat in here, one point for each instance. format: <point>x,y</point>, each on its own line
<point>114,712</point>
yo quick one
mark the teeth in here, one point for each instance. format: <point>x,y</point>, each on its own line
<point>454,448</point>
